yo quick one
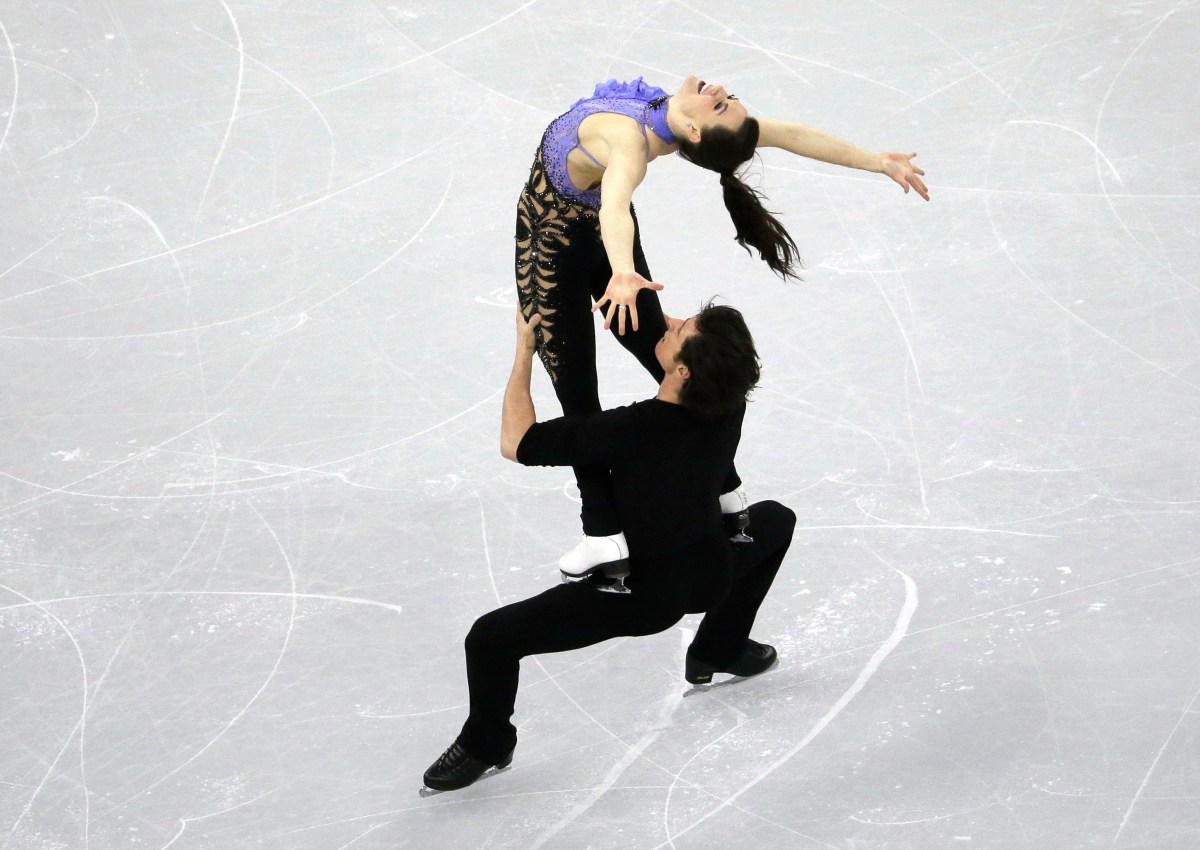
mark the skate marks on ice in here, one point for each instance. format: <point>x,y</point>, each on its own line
<point>899,630</point>
<point>633,752</point>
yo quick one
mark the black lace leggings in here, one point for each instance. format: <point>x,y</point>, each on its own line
<point>561,269</point>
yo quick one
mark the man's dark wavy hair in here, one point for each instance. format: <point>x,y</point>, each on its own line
<point>722,361</point>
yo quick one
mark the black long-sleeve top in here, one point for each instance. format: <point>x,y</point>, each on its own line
<point>669,467</point>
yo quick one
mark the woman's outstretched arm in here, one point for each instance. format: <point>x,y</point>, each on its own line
<point>624,172</point>
<point>816,144</point>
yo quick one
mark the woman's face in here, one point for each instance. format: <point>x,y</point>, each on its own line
<point>707,105</point>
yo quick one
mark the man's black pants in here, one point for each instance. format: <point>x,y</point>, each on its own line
<point>572,616</point>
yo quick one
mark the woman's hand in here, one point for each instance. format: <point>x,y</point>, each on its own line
<point>526,340</point>
<point>621,297</point>
<point>899,167</point>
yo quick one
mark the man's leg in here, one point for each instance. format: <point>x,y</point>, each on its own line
<point>724,631</point>
<point>566,617</point>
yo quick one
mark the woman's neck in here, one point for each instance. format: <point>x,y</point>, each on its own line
<point>658,147</point>
<point>676,120</point>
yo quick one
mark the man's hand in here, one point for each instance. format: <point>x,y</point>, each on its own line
<point>899,167</point>
<point>518,413</point>
<point>526,338</point>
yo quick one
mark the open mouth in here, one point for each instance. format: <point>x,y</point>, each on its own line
<point>700,87</point>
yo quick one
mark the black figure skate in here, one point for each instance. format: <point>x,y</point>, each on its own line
<point>755,658</point>
<point>456,768</point>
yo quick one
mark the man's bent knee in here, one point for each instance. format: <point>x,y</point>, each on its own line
<point>774,515</point>
<point>485,635</point>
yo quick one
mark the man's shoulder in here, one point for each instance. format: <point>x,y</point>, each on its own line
<point>654,410</point>
<point>635,410</point>
<point>657,407</point>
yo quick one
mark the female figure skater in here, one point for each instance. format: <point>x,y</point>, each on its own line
<point>577,242</point>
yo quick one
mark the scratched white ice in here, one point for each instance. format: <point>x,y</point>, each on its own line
<point>255,318</point>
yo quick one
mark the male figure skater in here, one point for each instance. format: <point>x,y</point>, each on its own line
<point>668,459</point>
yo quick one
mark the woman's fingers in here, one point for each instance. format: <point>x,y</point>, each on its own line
<point>625,314</point>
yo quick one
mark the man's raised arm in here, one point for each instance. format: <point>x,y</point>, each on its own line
<point>518,412</point>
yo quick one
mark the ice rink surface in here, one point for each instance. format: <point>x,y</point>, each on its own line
<point>256,315</point>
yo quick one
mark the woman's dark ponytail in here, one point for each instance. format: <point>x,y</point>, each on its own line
<point>723,151</point>
<point>756,226</point>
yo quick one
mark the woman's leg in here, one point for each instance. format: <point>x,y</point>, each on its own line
<point>558,251</point>
<point>651,325</point>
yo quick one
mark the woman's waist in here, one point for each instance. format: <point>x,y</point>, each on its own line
<point>551,159</point>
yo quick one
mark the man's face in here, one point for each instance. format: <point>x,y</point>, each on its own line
<point>667,348</point>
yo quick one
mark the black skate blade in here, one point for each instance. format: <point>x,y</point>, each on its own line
<point>725,682</point>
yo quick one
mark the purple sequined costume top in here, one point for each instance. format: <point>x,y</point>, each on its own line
<point>637,99</point>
